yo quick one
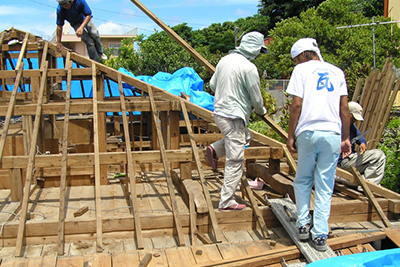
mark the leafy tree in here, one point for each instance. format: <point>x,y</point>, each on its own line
<point>369,8</point>
<point>278,10</point>
<point>390,144</point>
<point>350,49</point>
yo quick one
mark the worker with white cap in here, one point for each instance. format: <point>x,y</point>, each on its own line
<point>318,131</point>
<point>236,84</point>
<point>79,15</point>
<point>370,163</point>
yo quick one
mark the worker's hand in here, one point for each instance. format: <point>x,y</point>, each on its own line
<point>59,47</point>
<point>79,32</point>
<point>345,148</point>
<point>291,145</point>
<point>363,148</point>
<point>263,112</point>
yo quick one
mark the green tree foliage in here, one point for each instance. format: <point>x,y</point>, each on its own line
<point>390,144</point>
<point>369,8</point>
<point>278,10</point>
<point>351,49</point>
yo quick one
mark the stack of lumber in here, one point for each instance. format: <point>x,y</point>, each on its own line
<point>376,98</point>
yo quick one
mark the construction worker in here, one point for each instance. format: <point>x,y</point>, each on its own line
<point>318,130</point>
<point>236,84</point>
<point>370,163</point>
<point>79,15</point>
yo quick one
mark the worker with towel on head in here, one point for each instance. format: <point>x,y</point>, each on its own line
<point>79,15</point>
<point>318,131</point>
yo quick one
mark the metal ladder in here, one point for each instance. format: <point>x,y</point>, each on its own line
<point>285,211</point>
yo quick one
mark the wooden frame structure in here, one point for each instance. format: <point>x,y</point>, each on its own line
<point>68,143</point>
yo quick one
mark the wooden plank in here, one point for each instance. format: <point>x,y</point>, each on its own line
<point>131,169</point>
<point>97,183</point>
<point>43,262</point>
<point>22,51</point>
<point>394,235</point>
<point>206,254</point>
<point>254,206</point>
<point>165,161</point>
<point>10,111</point>
<point>29,171</point>
<point>125,259</point>
<point>214,223</point>
<point>371,197</point>
<point>63,178</point>
<point>182,256</point>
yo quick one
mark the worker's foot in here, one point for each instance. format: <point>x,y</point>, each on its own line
<point>212,157</point>
<point>304,232</point>
<point>103,56</point>
<point>234,207</point>
<point>320,243</point>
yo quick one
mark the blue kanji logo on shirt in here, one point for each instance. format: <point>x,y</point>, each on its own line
<point>323,82</point>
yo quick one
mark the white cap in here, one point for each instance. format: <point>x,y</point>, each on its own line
<point>305,44</point>
<point>356,110</point>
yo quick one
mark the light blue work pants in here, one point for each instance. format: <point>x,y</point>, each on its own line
<point>318,153</point>
<point>236,136</point>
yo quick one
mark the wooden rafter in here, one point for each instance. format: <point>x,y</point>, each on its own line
<point>61,221</point>
<point>217,231</point>
<point>175,211</point>
<point>31,163</point>
<point>131,169</point>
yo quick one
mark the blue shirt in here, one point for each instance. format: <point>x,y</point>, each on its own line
<point>353,133</point>
<point>76,14</point>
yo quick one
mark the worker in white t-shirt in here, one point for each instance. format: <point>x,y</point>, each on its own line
<point>318,131</point>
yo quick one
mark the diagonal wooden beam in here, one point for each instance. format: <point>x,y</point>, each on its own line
<point>22,51</point>
<point>31,163</point>
<point>371,197</point>
<point>97,173</point>
<point>254,206</point>
<point>131,169</point>
<point>61,221</point>
<point>10,111</point>
<point>175,36</point>
<point>175,211</point>
<point>214,222</point>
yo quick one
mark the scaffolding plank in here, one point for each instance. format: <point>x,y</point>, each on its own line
<point>217,231</point>
<point>175,211</point>
<point>31,163</point>
<point>306,248</point>
<point>131,169</point>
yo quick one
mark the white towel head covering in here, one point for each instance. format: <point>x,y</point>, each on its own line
<point>305,44</point>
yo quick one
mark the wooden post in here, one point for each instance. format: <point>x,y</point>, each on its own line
<point>63,181</point>
<point>97,172</point>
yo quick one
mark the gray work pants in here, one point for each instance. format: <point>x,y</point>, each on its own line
<point>91,38</point>
<point>371,164</point>
<point>236,136</point>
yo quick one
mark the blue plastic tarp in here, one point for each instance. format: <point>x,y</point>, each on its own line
<point>184,80</point>
<point>381,258</point>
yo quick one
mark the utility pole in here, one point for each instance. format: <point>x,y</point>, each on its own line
<point>373,24</point>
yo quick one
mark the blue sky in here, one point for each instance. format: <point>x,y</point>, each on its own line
<point>120,16</point>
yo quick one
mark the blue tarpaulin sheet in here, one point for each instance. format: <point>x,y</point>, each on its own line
<point>183,80</point>
<point>381,258</point>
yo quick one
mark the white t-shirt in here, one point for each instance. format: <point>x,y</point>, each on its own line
<point>320,85</point>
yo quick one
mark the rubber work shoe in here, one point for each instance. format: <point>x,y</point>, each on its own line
<point>212,157</point>
<point>320,243</point>
<point>234,207</point>
<point>304,232</point>
<point>103,56</point>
